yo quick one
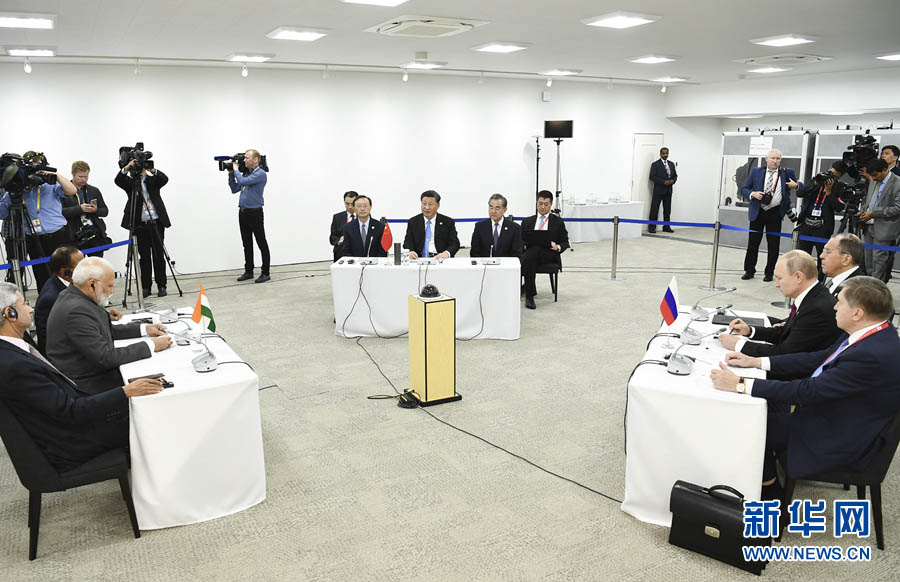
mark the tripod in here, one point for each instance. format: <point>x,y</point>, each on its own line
<point>559,201</point>
<point>133,259</point>
<point>18,214</point>
<point>537,167</point>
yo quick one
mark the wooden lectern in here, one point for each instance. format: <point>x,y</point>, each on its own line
<point>432,349</point>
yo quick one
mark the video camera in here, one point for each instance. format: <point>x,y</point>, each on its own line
<point>226,163</point>
<point>863,151</point>
<point>138,155</point>
<point>21,173</point>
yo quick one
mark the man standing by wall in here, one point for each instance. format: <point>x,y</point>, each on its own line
<point>663,175</point>
<point>85,211</point>
<point>250,212</point>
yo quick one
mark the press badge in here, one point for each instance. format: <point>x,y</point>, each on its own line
<point>816,212</point>
<point>36,223</point>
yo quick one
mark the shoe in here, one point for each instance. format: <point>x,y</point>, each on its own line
<point>651,231</point>
<point>247,275</point>
<point>146,293</point>
<point>262,278</point>
<point>767,279</point>
<point>747,276</point>
<point>529,303</point>
<point>161,292</point>
<point>667,229</point>
<point>772,492</point>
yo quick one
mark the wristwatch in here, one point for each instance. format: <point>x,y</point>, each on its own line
<point>741,387</point>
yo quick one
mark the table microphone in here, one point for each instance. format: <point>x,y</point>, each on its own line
<point>682,365</point>
<point>700,314</point>
<point>205,362</point>
<point>690,335</point>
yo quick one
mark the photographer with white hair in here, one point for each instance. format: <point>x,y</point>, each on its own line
<point>80,334</point>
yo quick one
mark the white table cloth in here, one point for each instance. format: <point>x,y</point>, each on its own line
<point>196,448</point>
<point>681,427</point>
<point>491,311</point>
<point>594,231</point>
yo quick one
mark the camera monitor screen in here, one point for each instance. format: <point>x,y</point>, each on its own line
<point>558,129</point>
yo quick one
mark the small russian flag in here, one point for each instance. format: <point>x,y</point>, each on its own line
<point>669,304</point>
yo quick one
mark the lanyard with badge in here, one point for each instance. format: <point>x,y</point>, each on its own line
<point>816,210</point>
<point>36,221</point>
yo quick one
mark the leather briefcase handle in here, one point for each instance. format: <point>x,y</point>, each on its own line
<point>715,488</point>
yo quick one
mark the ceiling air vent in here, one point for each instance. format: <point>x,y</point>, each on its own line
<point>787,59</point>
<point>425,26</point>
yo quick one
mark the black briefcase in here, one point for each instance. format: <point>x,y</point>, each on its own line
<point>711,522</point>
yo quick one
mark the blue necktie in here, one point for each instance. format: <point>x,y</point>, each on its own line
<point>427,238</point>
<point>836,353</point>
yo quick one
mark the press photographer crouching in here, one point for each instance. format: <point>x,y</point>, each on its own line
<point>821,200</point>
<point>35,191</point>
<point>85,212</point>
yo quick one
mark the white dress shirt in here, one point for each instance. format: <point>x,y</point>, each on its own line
<point>776,194</point>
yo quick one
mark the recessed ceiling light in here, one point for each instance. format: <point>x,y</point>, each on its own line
<point>652,59</point>
<point>768,70</point>
<point>842,113</point>
<point>30,51</point>
<point>297,33</point>
<point>620,19</point>
<point>501,47</point>
<point>27,20</point>
<point>560,72</point>
<point>250,57</point>
<point>670,80</point>
<point>390,3</point>
<point>426,65</point>
<point>782,40</point>
<point>893,57</point>
<point>744,116</point>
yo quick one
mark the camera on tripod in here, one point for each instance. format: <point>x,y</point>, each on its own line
<point>863,151</point>
<point>21,173</point>
<point>138,155</point>
<point>227,162</point>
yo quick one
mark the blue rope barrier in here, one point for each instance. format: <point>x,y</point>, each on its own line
<point>85,251</point>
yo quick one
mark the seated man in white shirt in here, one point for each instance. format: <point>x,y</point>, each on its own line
<point>841,259</point>
<point>537,254</point>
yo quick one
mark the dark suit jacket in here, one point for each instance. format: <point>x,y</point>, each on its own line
<point>756,182</point>
<point>52,288</point>
<point>555,226</point>
<point>509,244</point>
<point>443,229</point>
<point>829,205</point>
<point>66,425</point>
<point>814,328</point>
<point>338,221</point>
<point>658,176</point>
<point>860,270</point>
<point>843,414</point>
<point>71,209</point>
<point>154,182</point>
<point>354,246</point>
<point>80,342</point>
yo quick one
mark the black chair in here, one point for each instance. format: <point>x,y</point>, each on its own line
<point>871,477</point>
<point>553,270</point>
<point>39,476</point>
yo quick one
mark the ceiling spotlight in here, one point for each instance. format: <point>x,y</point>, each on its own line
<point>549,81</point>
<point>662,89</point>
<point>652,59</point>
<point>244,71</point>
<point>620,19</point>
<point>297,33</point>
<point>405,76</point>
<point>782,40</point>
<point>501,47</point>
<point>325,72</point>
<point>27,65</point>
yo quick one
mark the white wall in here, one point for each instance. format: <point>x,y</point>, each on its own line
<point>361,131</point>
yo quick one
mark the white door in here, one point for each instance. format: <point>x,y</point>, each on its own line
<point>645,152</point>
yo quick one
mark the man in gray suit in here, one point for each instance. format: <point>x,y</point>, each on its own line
<point>881,220</point>
<point>80,334</point>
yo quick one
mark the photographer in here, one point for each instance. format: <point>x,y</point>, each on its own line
<point>146,215</point>
<point>250,212</point>
<point>85,210</point>
<point>881,220</point>
<point>43,221</point>
<point>821,200</point>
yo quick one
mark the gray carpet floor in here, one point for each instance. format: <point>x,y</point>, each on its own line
<point>363,490</point>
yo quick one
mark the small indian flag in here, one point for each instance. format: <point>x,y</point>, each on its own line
<point>202,312</point>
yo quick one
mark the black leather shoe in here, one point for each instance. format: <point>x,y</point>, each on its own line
<point>262,278</point>
<point>651,231</point>
<point>667,229</point>
<point>161,292</point>
<point>529,303</point>
<point>747,276</point>
<point>146,293</point>
<point>245,277</point>
<point>767,278</point>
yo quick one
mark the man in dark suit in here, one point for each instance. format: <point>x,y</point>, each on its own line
<point>663,175</point>
<point>535,255</point>
<point>768,190</point>
<point>145,213</point>
<point>62,264</point>
<point>339,221</point>
<point>85,211</point>
<point>362,235</point>
<point>845,395</point>
<point>496,236</point>
<point>68,427</point>
<point>436,231</point>
<point>890,154</point>
<point>810,326</point>
<point>80,334</point>
<point>881,219</point>
<point>842,258</point>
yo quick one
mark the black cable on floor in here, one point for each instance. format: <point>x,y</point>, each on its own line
<point>484,440</point>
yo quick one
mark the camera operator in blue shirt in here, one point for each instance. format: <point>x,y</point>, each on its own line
<point>250,211</point>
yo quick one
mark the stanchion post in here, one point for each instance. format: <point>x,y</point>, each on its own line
<point>787,301</point>
<point>136,261</point>
<point>615,250</point>
<point>717,229</point>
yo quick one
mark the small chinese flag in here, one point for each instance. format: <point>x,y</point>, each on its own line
<point>387,239</point>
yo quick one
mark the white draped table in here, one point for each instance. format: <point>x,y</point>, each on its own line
<point>196,448</point>
<point>371,300</point>
<point>681,427</point>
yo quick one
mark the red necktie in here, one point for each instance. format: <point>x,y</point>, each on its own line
<point>792,315</point>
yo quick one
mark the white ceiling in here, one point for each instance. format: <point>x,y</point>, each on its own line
<point>707,35</point>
